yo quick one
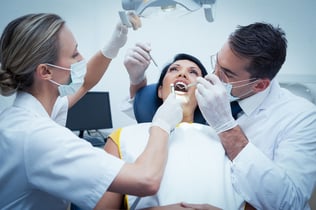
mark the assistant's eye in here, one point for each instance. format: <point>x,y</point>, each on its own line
<point>76,54</point>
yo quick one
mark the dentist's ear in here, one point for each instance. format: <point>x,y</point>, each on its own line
<point>261,85</point>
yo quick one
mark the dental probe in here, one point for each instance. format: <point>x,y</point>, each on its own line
<point>191,84</point>
<point>153,60</point>
<point>172,88</point>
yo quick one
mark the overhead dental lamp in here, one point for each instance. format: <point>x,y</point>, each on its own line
<point>139,6</point>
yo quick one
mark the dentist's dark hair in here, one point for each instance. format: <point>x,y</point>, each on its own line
<point>263,44</point>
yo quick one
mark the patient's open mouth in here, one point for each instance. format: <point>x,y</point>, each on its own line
<point>180,86</point>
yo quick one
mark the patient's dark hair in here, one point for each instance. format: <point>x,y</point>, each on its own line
<point>182,56</point>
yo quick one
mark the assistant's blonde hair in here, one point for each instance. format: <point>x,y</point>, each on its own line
<point>25,43</point>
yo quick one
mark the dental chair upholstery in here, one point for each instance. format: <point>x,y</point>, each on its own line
<point>146,104</point>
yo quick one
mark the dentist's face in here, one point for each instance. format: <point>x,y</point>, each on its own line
<point>180,74</point>
<point>231,68</point>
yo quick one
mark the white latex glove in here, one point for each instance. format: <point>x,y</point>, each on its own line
<point>136,61</point>
<point>169,114</point>
<point>214,103</point>
<point>118,40</point>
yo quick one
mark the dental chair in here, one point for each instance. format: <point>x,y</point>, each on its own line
<point>146,104</point>
<point>300,90</point>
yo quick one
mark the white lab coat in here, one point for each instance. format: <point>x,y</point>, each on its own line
<point>44,165</point>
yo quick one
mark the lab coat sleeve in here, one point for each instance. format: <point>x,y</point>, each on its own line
<point>127,106</point>
<point>286,181</point>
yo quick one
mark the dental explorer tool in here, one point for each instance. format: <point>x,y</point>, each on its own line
<point>172,88</point>
<point>151,57</point>
<point>191,84</point>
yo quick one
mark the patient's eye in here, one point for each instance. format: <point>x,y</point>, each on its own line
<point>194,71</point>
<point>173,68</point>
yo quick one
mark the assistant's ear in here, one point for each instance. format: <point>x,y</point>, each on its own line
<point>43,72</point>
<point>261,85</point>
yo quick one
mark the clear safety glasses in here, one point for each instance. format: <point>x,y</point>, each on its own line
<point>220,72</point>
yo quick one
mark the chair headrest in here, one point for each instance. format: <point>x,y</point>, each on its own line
<point>146,104</point>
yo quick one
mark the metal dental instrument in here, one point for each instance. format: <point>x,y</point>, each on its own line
<point>191,84</point>
<point>153,60</point>
<point>185,87</point>
<point>172,88</point>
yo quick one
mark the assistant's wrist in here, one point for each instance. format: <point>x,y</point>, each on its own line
<point>161,124</point>
<point>159,130</point>
<point>110,52</point>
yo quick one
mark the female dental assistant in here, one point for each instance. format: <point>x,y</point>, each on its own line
<point>43,164</point>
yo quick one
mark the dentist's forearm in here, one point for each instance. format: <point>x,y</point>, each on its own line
<point>233,141</point>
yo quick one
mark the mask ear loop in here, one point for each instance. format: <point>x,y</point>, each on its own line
<point>243,85</point>
<point>58,67</point>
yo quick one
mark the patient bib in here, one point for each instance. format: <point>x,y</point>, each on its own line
<point>197,170</point>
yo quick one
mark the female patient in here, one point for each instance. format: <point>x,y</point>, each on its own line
<point>197,169</point>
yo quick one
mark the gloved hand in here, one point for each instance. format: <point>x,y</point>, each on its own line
<point>118,40</point>
<point>136,61</point>
<point>169,114</point>
<point>214,103</point>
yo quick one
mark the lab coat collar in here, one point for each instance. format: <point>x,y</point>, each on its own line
<point>26,101</point>
<point>252,103</point>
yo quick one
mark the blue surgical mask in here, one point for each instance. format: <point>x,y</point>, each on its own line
<point>229,87</point>
<point>77,72</point>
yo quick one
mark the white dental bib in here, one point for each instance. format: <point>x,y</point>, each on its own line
<point>197,170</point>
